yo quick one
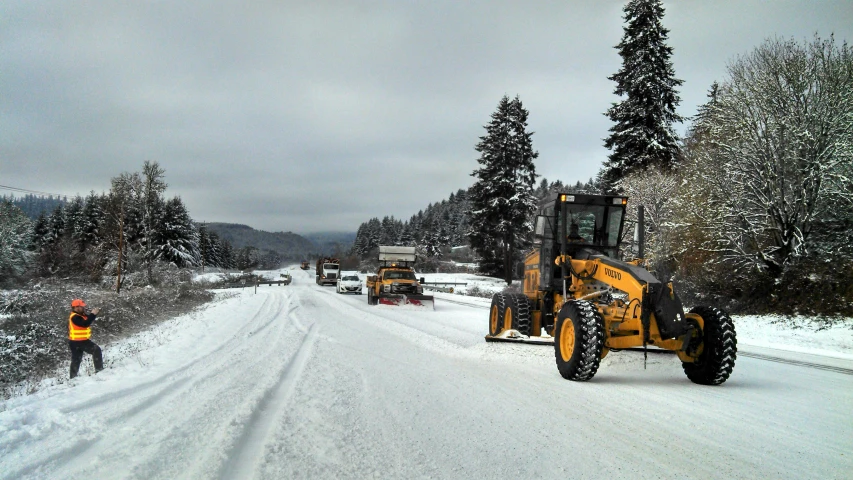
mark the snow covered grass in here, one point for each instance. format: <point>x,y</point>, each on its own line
<point>797,334</point>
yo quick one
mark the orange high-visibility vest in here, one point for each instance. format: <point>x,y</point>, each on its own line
<point>77,333</point>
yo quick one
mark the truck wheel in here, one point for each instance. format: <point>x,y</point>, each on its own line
<point>578,340</point>
<point>520,307</point>
<point>496,314</point>
<point>719,348</point>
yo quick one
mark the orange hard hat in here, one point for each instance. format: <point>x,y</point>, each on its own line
<point>77,303</point>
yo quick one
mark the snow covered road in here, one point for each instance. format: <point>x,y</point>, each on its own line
<point>299,382</point>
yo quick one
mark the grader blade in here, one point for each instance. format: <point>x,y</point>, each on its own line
<point>514,336</point>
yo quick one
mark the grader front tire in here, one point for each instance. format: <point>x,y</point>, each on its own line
<point>578,340</point>
<point>719,348</point>
<point>496,314</point>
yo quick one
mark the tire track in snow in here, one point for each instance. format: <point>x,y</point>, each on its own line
<point>248,450</point>
<point>831,368</point>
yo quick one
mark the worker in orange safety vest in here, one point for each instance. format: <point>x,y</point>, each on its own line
<point>79,333</point>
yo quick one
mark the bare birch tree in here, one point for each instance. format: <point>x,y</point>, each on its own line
<point>153,186</point>
<point>125,189</point>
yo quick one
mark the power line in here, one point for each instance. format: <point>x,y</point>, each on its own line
<point>35,192</point>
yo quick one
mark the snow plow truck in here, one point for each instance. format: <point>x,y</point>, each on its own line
<point>395,282</point>
<point>327,271</point>
<point>580,297</point>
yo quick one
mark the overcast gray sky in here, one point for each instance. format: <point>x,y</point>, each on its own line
<point>317,115</point>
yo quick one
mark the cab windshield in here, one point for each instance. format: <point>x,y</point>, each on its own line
<point>593,225</point>
<point>350,278</point>
<point>398,275</point>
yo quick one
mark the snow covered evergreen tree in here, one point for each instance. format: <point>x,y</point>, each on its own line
<point>93,219</point>
<point>15,235</point>
<point>177,240</point>
<point>502,197</point>
<point>74,221</point>
<point>56,226</point>
<point>214,250</point>
<point>358,244</point>
<point>227,255</point>
<point>406,238</point>
<point>41,231</point>
<point>374,234</point>
<point>642,135</point>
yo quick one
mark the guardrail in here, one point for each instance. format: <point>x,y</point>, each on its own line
<point>255,284</point>
<point>437,286</point>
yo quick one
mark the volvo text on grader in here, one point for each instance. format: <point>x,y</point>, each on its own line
<point>590,303</point>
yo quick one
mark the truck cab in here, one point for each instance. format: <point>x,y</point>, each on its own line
<point>395,282</point>
<point>327,271</point>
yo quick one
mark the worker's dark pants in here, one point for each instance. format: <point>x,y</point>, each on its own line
<point>77,348</point>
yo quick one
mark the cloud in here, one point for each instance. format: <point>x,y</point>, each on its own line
<point>311,116</point>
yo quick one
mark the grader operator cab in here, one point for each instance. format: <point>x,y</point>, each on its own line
<point>578,295</point>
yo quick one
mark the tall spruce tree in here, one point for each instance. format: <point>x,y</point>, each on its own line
<point>642,135</point>
<point>177,240</point>
<point>502,198</point>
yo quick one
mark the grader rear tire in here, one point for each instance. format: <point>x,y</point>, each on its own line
<point>519,305</point>
<point>719,348</point>
<point>578,340</point>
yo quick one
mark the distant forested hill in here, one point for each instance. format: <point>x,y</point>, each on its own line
<point>332,242</point>
<point>33,205</point>
<point>287,244</point>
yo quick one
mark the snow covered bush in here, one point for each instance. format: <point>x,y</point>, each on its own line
<point>475,291</point>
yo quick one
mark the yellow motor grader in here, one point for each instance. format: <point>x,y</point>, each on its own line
<point>578,295</point>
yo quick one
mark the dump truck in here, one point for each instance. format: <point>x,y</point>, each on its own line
<point>579,296</point>
<point>304,265</point>
<point>327,271</point>
<point>395,282</point>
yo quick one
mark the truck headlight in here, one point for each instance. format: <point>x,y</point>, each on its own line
<point>420,289</point>
<point>386,288</point>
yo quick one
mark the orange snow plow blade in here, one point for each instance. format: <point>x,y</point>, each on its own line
<point>427,301</point>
